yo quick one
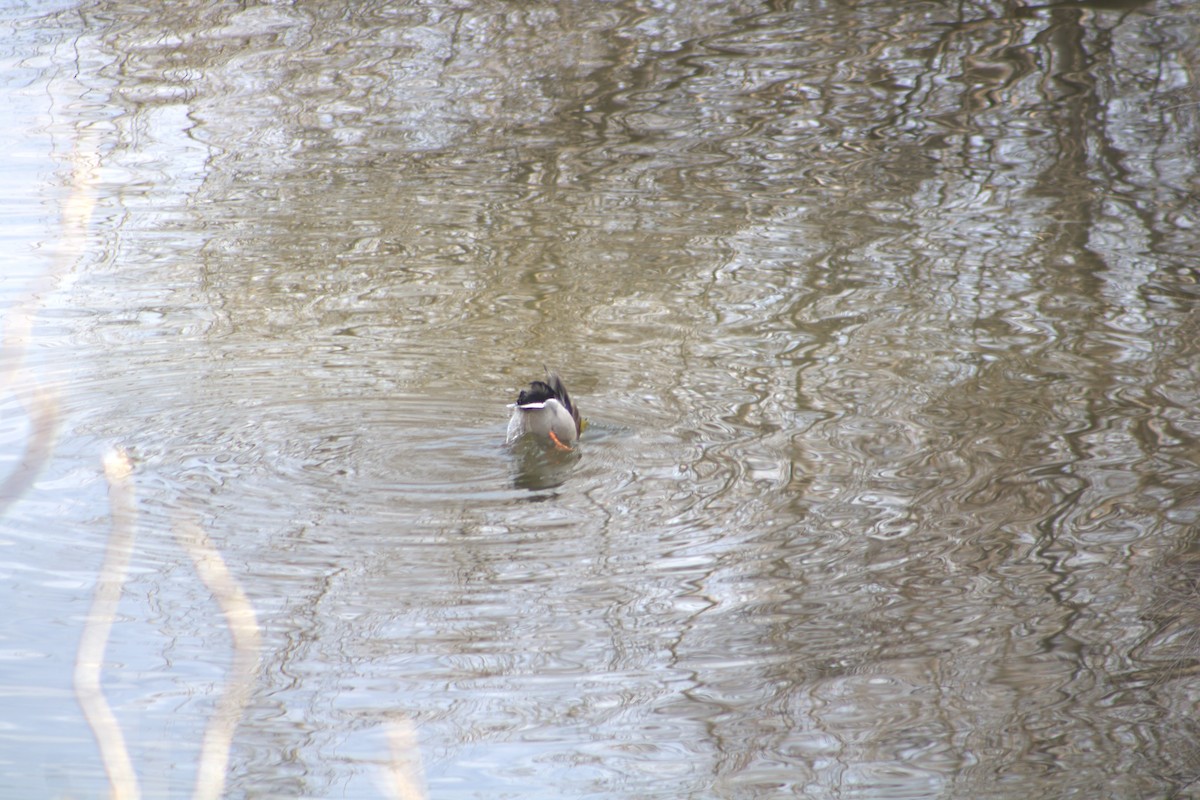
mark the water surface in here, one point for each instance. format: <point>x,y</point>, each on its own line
<point>883,316</point>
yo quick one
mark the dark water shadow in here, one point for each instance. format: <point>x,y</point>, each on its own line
<point>537,468</point>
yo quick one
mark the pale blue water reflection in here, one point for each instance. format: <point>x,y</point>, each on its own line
<point>883,316</point>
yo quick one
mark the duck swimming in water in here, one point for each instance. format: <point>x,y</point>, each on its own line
<point>545,410</point>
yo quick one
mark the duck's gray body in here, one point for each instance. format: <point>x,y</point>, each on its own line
<point>543,409</point>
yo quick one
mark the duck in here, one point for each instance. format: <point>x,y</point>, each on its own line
<point>545,411</point>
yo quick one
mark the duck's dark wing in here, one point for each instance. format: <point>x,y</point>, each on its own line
<point>560,391</point>
<point>538,392</point>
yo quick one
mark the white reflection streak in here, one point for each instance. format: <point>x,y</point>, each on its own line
<point>76,216</point>
<point>88,661</point>
<point>404,777</point>
<point>41,404</point>
<point>243,671</point>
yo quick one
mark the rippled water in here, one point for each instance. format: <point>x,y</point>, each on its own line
<point>884,317</point>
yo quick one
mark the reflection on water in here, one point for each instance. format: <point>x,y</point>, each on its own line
<point>883,315</point>
<point>537,467</point>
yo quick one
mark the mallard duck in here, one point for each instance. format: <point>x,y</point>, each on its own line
<point>545,410</point>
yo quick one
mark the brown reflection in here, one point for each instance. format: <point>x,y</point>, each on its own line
<point>1166,664</point>
<point>1172,651</point>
